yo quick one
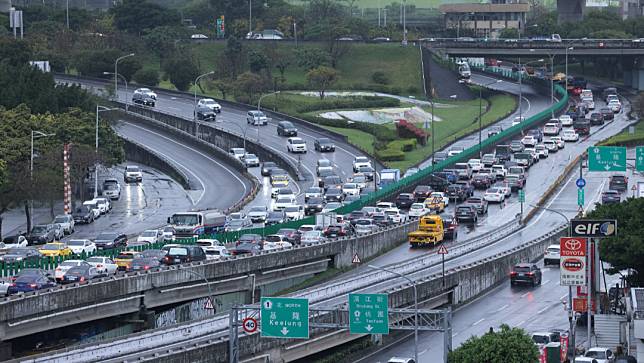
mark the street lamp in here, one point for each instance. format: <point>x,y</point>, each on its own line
<point>259,102</point>
<point>194,109</point>
<point>34,135</point>
<point>404,16</point>
<point>413,284</point>
<point>481,86</point>
<point>98,109</point>
<point>242,129</point>
<point>125,81</point>
<point>116,71</point>
<point>567,49</point>
<point>202,276</point>
<point>521,66</point>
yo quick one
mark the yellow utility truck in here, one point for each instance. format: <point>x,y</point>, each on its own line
<point>430,232</point>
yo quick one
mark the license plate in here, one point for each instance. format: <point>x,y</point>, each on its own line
<point>71,278</point>
<point>176,260</point>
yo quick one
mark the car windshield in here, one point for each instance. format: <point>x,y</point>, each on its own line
<point>39,229</point>
<point>540,339</point>
<point>292,209</point>
<point>95,259</point>
<point>208,101</point>
<point>106,236</point>
<point>311,234</point>
<point>275,215</point>
<point>363,222</point>
<point>332,206</point>
<point>492,191</point>
<point>237,222</point>
<point>132,169</point>
<point>61,220</point>
<point>70,263</point>
<point>149,234</point>
<point>184,220</point>
<point>125,256</point>
<point>110,187</point>
<point>297,141</point>
<point>76,242</point>
<point>51,247</point>
<point>178,251</point>
<point>553,249</point>
<point>596,354</point>
<point>521,269</point>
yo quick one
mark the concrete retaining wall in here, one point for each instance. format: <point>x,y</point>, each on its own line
<point>140,154</point>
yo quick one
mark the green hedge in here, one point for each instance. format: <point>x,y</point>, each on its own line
<point>334,103</point>
<point>405,145</point>
<point>390,154</point>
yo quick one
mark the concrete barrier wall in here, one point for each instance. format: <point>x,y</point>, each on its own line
<point>140,154</point>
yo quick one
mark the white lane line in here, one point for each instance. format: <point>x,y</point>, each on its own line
<point>526,294</point>
<point>545,282</point>
<point>422,352</point>
<point>595,197</point>
<point>455,334</point>
<point>521,323</point>
<point>543,310</point>
<point>502,308</point>
<point>564,296</point>
<point>529,106</point>
<point>479,321</point>
<point>197,152</point>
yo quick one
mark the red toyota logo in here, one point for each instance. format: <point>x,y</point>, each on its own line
<point>573,244</point>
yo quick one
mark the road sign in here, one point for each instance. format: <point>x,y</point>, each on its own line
<point>521,196</point>
<point>607,158</point>
<point>580,197</point>
<point>368,314</point>
<point>442,250</point>
<point>572,263</point>
<point>283,317</point>
<point>356,259</point>
<point>594,228</point>
<point>250,325</point>
<point>639,158</point>
<point>208,304</point>
<point>580,304</point>
<point>581,182</point>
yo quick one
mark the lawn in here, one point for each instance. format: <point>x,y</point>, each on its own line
<point>624,138</point>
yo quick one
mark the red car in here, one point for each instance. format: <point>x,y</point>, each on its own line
<point>335,231</point>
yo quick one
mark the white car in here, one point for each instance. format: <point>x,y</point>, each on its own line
<point>418,210</point>
<point>151,236</point>
<point>132,174</point>
<point>504,188</point>
<point>111,189</point>
<point>494,195</point>
<point>250,160</point>
<point>615,106</point>
<point>395,215</point>
<point>359,162</point>
<point>60,271</point>
<point>475,164</point>
<point>569,135</point>
<point>103,264</point>
<point>237,152</point>
<point>93,206</point>
<point>168,233</point>
<point>455,150</point>
<point>552,255</point>
<point>313,192</point>
<point>104,205</point>
<point>271,246</point>
<point>312,237</point>
<point>559,140</point>
<point>330,207</point>
<point>256,118</point>
<point>214,253</point>
<point>66,221</point>
<point>208,242</point>
<point>585,93</point>
<point>551,129</point>
<point>529,140</point>
<point>498,171</point>
<point>295,145</point>
<point>442,195</point>
<point>258,214</point>
<point>364,226</point>
<point>565,120</point>
<point>283,202</point>
<point>350,189</point>
<point>146,91</point>
<point>597,355</point>
<point>284,192</point>
<point>550,145</point>
<point>517,120</point>
<point>19,241</point>
<point>589,102</point>
<point>79,246</point>
<point>542,150</point>
<point>294,212</point>
<point>209,103</point>
<point>360,180</point>
<point>385,205</point>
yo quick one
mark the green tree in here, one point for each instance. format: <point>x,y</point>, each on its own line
<point>134,16</point>
<point>94,62</point>
<point>509,345</point>
<point>225,86</point>
<point>162,39</point>
<point>321,79</point>
<point>129,66</point>
<point>146,76</point>
<point>627,249</point>
<point>181,69</point>
<point>309,58</point>
<point>257,61</point>
<point>249,84</point>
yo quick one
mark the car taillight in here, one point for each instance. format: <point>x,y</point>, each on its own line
<point>13,284</point>
<point>513,273</point>
<point>146,267</point>
<point>57,268</point>
<point>99,265</point>
<point>530,274</point>
<point>33,286</point>
<point>82,279</point>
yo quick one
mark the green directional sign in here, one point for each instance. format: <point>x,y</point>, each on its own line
<point>639,158</point>
<point>285,317</point>
<point>521,196</point>
<point>368,314</point>
<point>580,197</point>
<point>606,158</point>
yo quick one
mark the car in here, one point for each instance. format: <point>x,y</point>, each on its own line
<point>475,165</point>
<point>607,113</point>
<point>401,360</point>
<point>551,129</point>
<point>596,119</point>
<point>541,150</point>
<point>551,146</point>
<point>515,181</point>
<point>516,146</point>
<point>615,106</point>
<point>504,187</point>
<point>422,192</point>
<point>498,171</point>
<point>365,225</point>
<point>367,170</point>
<point>494,195</point>
<point>611,197</point>
<point>536,133</point>
<point>410,171</point>
<point>55,249</point>
<point>210,104</point>
<point>250,160</point>
<point>267,168</point>
<point>529,140</point>
<point>168,233</point>
<point>294,212</point>
<point>324,166</point>
<point>570,136</point>
<point>146,91</point>
<point>286,128</point>
<point>237,152</point>
<point>63,267</point>
<point>441,195</point>
<point>618,182</point>
<point>124,259</point>
<point>20,254</point>
<point>330,207</point>
<point>488,160</point>
<point>466,212</point>
<point>435,204</point>
<point>360,180</point>
<point>517,120</point>
<point>455,150</point>
<point>238,224</point>
<point>481,181</point>
<point>323,144</point>
<point>205,114</point>
<point>350,189</point>
<point>332,182</point>
<point>109,240</point>
<point>494,130</point>
<point>42,233</point>
<point>215,253</point>
<point>360,161</point>
<point>143,99</point>
<point>94,207</point>
<point>66,221</point>
<point>15,241</point>
<point>479,203</point>
<point>542,338</point>
<point>151,236</point>
<point>132,173</point>
<point>30,280</point>
<point>283,201</point>
<point>566,120</point>
<point>296,145</point>
<point>450,228</point>
<point>313,205</point>
<point>313,236</point>
<point>80,274</point>
<point>81,246</point>
<point>279,180</point>
<point>335,231</point>
<point>597,355</point>
<point>276,245</point>
<point>239,215</point>
<point>457,192</point>
<point>559,140</point>
<point>206,242</point>
<point>439,156</point>
<point>59,232</point>
<point>463,170</point>
<point>405,200</point>
<point>523,273</point>
<point>418,210</point>
<point>245,249</point>
<point>256,118</point>
<point>334,195</point>
<point>395,215</point>
<point>183,254</point>
<point>589,102</point>
<point>143,263</point>
<point>103,264</point>
<point>552,255</point>
<point>258,214</point>
<point>533,154</point>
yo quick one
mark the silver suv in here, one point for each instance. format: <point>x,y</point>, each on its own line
<point>256,118</point>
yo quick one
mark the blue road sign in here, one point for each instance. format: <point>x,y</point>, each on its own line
<point>581,182</point>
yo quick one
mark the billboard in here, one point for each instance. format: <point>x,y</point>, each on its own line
<point>572,261</point>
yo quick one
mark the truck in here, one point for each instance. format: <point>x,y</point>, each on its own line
<point>430,232</point>
<point>464,71</point>
<point>195,223</point>
<point>553,38</point>
<point>389,176</point>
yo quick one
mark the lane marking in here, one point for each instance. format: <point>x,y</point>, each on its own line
<point>423,351</point>
<point>542,310</point>
<point>545,282</point>
<point>526,294</point>
<point>502,308</point>
<point>521,323</point>
<point>564,296</point>
<point>479,321</point>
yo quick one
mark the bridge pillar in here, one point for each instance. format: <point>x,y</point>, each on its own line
<point>570,10</point>
<point>634,72</point>
<point>5,351</point>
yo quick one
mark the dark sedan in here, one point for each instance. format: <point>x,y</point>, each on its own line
<point>467,213</point>
<point>481,181</point>
<point>245,249</point>
<point>275,217</point>
<point>267,168</point>
<point>144,264</point>
<point>525,273</point>
<point>291,234</point>
<point>30,280</point>
<point>110,240</point>
<point>42,234</point>
<point>335,231</point>
<point>334,195</point>
<point>323,144</point>
<point>596,118</point>
<point>611,197</point>
<point>422,192</point>
<point>313,205</point>
<point>405,200</point>
<point>607,113</point>
<point>80,274</point>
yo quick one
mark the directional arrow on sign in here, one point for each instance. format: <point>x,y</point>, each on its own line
<point>369,327</point>
<point>284,331</point>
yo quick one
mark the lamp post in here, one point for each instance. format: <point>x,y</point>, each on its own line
<point>34,135</point>
<point>125,81</point>
<point>413,284</point>
<point>98,109</point>
<point>566,71</point>
<point>194,109</point>
<point>116,71</point>
<point>202,276</point>
<point>241,128</point>
<point>481,109</point>
<point>250,18</point>
<point>404,16</point>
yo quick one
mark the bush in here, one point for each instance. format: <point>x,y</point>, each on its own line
<point>390,154</point>
<point>408,145</point>
<point>380,77</point>
<point>413,90</point>
<point>146,76</point>
<point>407,130</point>
<point>335,103</point>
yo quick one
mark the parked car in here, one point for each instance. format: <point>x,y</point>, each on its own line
<point>525,273</point>
<point>183,254</point>
<point>66,221</point>
<point>15,241</point>
<point>42,233</point>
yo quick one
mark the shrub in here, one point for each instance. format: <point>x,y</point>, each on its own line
<point>380,77</point>
<point>413,90</point>
<point>390,154</point>
<point>380,132</point>
<point>408,130</point>
<point>146,76</point>
<point>335,103</point>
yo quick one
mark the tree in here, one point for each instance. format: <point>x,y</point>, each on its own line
<point>257,61</point>
<point>627,250</point>
<point>181,70</point>
<point>129,66</point>
<point>282,62</point>
<point>309,58</point>
<point>224,86</point>
<point>322,78</point>
<point>146,76</point>
<point>509,345</point>
<point>162,39</point>
<point>95,62</point>
<point>134,16</point>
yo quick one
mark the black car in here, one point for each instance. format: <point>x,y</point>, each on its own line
<point>40,234</point>
<point>607,113</point>
<point>143,99</point>
<point>335,231</point>
<point>332,182</point>
<point>108,240</point>
<point>83,214</point>
<point>596,118</point>
<point>184,254</point>
<point>323,174</point>
<point>323,144</point>
<point>457,192</point>
<point>268,167</point>
<point>481,181</point>
<point>618,183</point>
<point>313,205</point>
<point>355,215</point>
<point>31,280</point>
<point>525,273</point>
<point>467,213</point>
<point>334,195</point>
<point>144,263</point>
<point>20,254</point>
<point>479,203</point>
<point>206,114</point>
<point>439,156</point>
<point>537,133</point>
<point>286,128</point>
<point>581,126</point>
<point>250,238</point>
<point>81,274</point>
<point>611,197</point>
<point>450,227</point>
<point>275,217</point>
<point>246,249</point>
<point>422,192</point>
<point>405,200</point>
